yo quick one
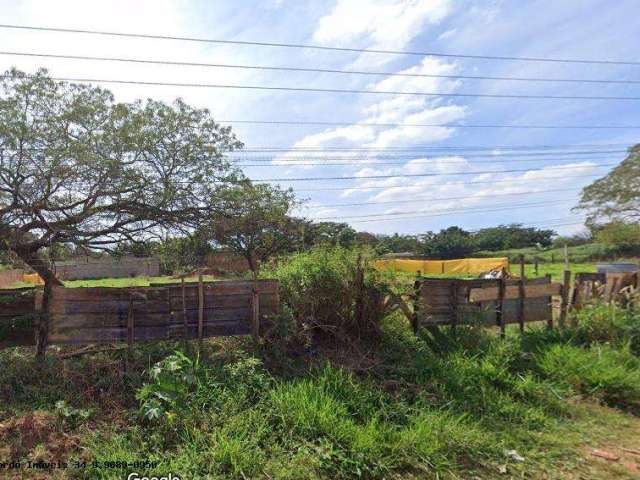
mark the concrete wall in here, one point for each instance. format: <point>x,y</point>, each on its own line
<point>227,261</point>
<point>90,268</point>
<point>9,277</point>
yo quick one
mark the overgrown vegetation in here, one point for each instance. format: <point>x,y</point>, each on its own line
<point>387,406</point>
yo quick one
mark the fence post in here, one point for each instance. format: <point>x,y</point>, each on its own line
<point>416,305</point>
<point>564,305</point>
<point>521,293</point>
<point>130,330</point>
<point>550,319</point>
<point>453,292</point>
<point>200,309</point>
<point>500,310</point>
<point>255,315</point>
<point>184,315</point>
<point>535,266</point>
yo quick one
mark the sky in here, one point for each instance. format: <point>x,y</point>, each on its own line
<point>455,175</point>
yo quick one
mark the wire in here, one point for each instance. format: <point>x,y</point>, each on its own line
<point>309,70</point>
<point>414,161</point>
<point>427,125</point>
<point>417,199</point>
<point>474,155</point>
<point>409,185</point>
<point>432,147</point>
<point>337,90</point>
<point>440,213</point>
<point>453,210</point>
<point>318,47</point>
<point>370,177</point>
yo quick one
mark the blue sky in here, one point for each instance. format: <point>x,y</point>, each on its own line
<point>568,29</point>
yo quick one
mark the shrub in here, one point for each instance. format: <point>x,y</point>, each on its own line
<point>607,323</point>
<point>611,375</point>
<point>173,380</point>
<point>328,292</point>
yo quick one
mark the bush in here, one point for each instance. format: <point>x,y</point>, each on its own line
<point>328,292</point>
<point>611,375</point>
<point>607,323</point>
<point>624,236</point>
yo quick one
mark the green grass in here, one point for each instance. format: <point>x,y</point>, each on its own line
<point>393,409</point>
<point>590,252</point>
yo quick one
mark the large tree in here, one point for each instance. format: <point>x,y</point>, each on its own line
<point>78,168</point>
<point>617,195</point>
<point>256,222</point>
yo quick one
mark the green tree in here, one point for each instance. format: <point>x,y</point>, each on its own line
<point>452,242</point>
<point>80,169</point>
<point>255,222</point>
<point>617,195</point>
<point>624,236</point>
<point>515,235</point>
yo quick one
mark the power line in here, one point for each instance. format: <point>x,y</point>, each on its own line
<point>445,212</point>
<point>414,161</point>
<point>372,177</point>
<point>404,155</point>
<point>337,90</point>
<point>431,147</point>
<point>310,70</point>
<point>429,125</point>
<point>417,199</point>
<point>409,185</point>
<point>453,210</point>
<point>319,47</point>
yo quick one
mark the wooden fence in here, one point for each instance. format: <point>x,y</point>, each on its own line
<point>499,302</point>
<point>166,312</point>
<point>17,316</point>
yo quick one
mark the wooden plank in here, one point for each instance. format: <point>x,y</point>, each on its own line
<point>564,303</point>
<point>200,308</point>
<point>500,310</point>
<point>255,316</point>
<point>146,318</point>
<point>521,295</point>
<point>184,312</point>
<point>162,305</point>
<point>80,336</point>
<point>511,292</point>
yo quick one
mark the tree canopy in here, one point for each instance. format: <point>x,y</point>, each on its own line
<point>617,195</point>
<point>255,222</point>
<point>76,167</point>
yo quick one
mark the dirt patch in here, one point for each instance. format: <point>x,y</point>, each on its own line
<point>36,436</point>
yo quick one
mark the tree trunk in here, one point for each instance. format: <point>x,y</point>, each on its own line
<point>32,258</point>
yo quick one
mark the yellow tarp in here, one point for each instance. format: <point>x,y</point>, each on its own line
<point>439,267</point>
<point>33,278</point>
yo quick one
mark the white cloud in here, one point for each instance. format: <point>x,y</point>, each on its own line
<point>447,34</point>
<point>379,24</point>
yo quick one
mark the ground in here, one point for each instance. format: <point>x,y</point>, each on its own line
<point>544,405</point>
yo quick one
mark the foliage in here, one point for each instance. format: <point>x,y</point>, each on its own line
<point>600,371</point>
<point>173,380</point>
<point>625,237</point>
<point>72,416</point>
<point>617,195</point>
<point>453,242</point>
<point>514,235</point>
<point>322,289</point>
<point>79,169</point>
<point>255,222</point>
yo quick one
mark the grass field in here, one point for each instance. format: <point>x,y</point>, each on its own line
<point>480,408</point>
<point>588,253</point>
<point>317,405</point>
